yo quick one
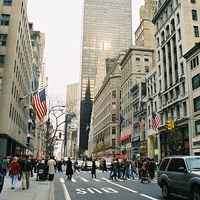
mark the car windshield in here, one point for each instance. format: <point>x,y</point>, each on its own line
<point>193,164</point>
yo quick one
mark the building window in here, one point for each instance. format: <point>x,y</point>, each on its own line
<point>194,62</point>
<point>194,15</point>
<point>146,58</point>
<point>137,67</point>
<point>184,109</point>
<point>196,82</point>
<point>113,83</point>
<point>178,18</point>
<point>137,57</point>
<point>193,1</point>
<point>197,104</point>
<point>197,126</point>
<point>2,59</point>
<point>113,130</point>
<point>114,94</point>
<point>146,68</point>
<point>5,19</point>
<point>114,118</point>
<point>179,34</point>
<point>7,2</point>
<point>3,39</point>
<point>180,50</point>
<point>196,31</point>
<point>113,105</point>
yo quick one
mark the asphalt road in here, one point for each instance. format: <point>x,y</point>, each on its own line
<point>83,187</point>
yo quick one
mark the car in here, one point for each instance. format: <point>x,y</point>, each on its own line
<point>180,175</point>
<point>86,165</point>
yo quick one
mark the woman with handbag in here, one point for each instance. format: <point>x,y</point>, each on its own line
<point>14,172</point>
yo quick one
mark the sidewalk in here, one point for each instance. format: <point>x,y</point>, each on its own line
<point>38,190</point>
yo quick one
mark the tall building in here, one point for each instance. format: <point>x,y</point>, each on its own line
<point>109,24</point>
<point>175,35</point>
<point>17,79</point>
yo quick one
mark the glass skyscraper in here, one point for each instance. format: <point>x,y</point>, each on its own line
<point>107,24</point>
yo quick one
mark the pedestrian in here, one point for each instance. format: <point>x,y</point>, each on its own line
<point>104,167</point>
<point>59,164</point>
<point>5,165</point>
<point>69,170</point>
<point>41,170</point>
<point>51,168</point>
<point>133,168</point>
<point>1,179</point>
<point>114,174</point>
<point>76,166</point>
<point>93,170</point>
<point>25,168</point>
<point>112,168</point>
<point>15,171</point>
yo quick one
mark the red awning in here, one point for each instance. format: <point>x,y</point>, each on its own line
<point>110,155</point>
<point>125,137</point>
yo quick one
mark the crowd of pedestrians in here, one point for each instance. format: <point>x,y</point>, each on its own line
<point>21,168</point>
<point>129,168</point>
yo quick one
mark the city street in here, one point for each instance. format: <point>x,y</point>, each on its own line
<point>83,187</point>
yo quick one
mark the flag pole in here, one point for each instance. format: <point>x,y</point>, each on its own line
<point>21,98</point>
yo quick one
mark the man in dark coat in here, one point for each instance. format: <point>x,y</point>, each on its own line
<point>93,170</point>
<point>69,170</point>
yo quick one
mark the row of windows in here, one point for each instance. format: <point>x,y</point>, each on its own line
<point>14,115</point>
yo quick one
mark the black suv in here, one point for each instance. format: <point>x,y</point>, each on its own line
<point>180,175</point>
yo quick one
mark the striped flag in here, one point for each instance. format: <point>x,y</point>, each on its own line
<point>155,121</point>
<point>40,106</point>
<point>141,123</point>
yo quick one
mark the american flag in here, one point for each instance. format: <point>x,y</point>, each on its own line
<point>40,106</point>
<point>155,120</point>
<point>141,123</point>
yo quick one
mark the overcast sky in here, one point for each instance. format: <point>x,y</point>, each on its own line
<point>61,22</point>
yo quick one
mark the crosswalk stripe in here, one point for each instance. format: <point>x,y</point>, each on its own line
<point>73,180</point>
<point>97,180</point>
<point>85,180</point>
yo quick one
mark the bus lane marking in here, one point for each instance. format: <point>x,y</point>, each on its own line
<point>123,187</point>
<point>66,193</point>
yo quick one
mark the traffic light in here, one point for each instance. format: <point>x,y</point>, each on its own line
<point>60,135</point>
<point>169,125</point>
<point>172,124</point>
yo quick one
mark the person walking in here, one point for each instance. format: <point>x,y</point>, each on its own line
<point>51,168</point>
<point>76,166</point>
<point>93,170</point>
<point>5,165</point>
<point>69,170</point>
<point>25,168</point>
<point>15,170</point>
<point>104,167</point>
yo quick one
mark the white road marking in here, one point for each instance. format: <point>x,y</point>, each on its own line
<point>97,180</point>
<point>66,193</point>
<point>144,195</point>
<point>85,180</point>
<point>73,180</point>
